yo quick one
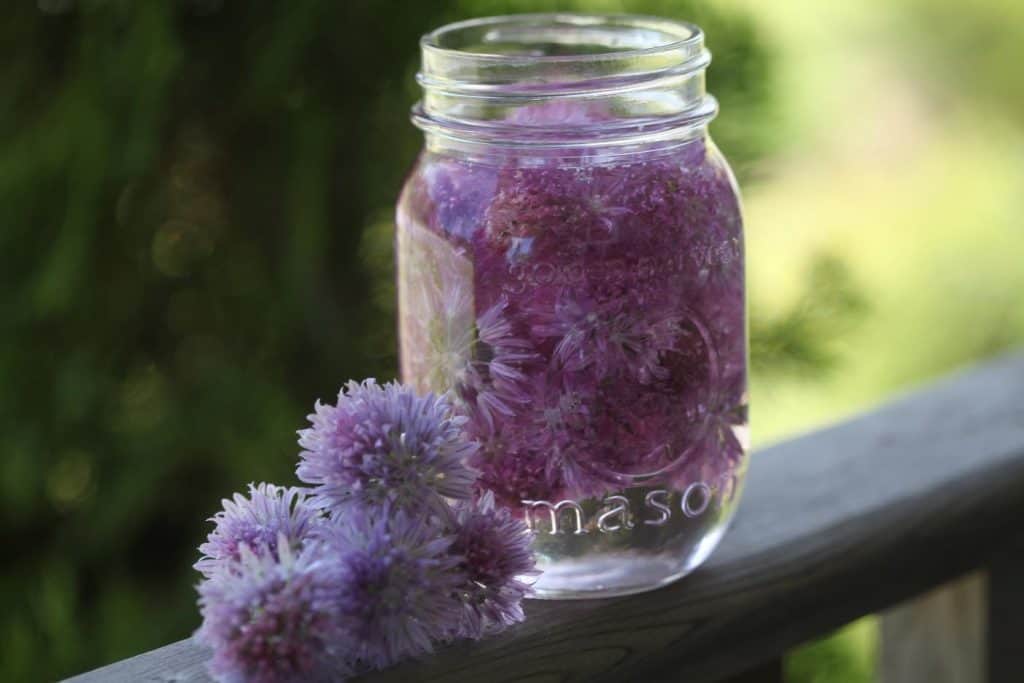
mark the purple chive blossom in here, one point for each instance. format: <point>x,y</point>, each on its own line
<point>274,620</point>
<point>491,381</point>
<point>603,198</point>
<point>613,337</point>
<point>719,452</point>
<point>564,418</point>
<point>479,361</point>
<point>494,555</point>
<point>396,584</point>
<point>513,469</point>
<point>269,513</point>
<point>384,447</point>
<point>457,191</point>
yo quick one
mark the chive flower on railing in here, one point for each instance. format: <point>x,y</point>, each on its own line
<point>493,558</point>
<point>384,447</point>
<point>396,584</point>
<point>259,522</point>
<point>384,556</point>
<point>273,619</point>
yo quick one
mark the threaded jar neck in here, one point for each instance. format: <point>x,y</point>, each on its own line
<point>557,80</point>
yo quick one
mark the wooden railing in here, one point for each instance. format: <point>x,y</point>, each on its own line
<point>865,516</point>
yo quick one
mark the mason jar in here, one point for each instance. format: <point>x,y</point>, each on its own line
<point>570,271</point>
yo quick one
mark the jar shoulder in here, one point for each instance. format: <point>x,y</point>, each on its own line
<point>458,196</point>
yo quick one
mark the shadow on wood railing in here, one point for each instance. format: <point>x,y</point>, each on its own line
<point>834,525</point>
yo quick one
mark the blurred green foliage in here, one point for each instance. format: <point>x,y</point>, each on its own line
<point>196,202</point>
<point>799,340</point>
<point>845,658</point>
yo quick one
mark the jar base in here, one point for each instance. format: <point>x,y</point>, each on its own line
<point>615,575</point>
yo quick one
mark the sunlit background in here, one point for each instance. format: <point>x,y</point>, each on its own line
<point>196,205</point>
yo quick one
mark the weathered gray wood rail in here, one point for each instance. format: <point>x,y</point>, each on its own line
<point>837,524</point>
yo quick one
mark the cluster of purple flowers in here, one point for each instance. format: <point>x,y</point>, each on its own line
<point>384,555</point>
<point>600,320</point>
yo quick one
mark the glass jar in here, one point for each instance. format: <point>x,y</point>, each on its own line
<point>570,270</point>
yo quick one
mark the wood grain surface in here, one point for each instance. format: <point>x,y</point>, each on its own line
<point>834,525</point>
<point>939,637</point>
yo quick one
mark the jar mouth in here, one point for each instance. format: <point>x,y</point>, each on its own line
<point>474,51</point>
<point>563,77</point>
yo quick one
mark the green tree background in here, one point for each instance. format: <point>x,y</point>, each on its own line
<point>196,203</point>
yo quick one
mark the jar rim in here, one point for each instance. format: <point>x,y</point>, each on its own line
<point>546,79</point>
<point>680,36</point>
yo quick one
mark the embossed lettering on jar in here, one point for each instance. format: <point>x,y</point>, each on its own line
<point>570,269</point>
